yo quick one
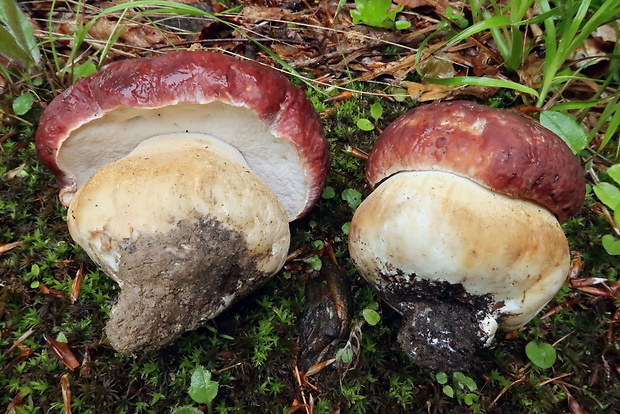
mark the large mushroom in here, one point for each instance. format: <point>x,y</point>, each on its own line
<point>181,173</point>
<point>461,233</point>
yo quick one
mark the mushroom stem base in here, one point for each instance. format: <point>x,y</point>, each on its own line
<point>441,335</point>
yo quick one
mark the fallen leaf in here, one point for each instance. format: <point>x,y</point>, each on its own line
<point>77,285</point>
<point>53,293</point>
<point>423,92</point>
<point>62,351</point>
<point>9,246</point>
<point>439,5</point>
<point>13,173</point>
<point>66,392</point>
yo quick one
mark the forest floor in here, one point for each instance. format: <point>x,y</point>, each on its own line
<point>361,71</point>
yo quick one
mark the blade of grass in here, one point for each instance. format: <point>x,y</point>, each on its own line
<point>572,36</point>
<point>179,8</point>
<point>11,48</point>
<point>612,127</point>
<point>19,26</point>
<point>473,80</point>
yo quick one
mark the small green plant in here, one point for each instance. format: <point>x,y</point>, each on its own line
<point>541,354</point>
<point>203,390</point>
<point>509,38</point>
<point>462,388</point>
<point>376,110</point>
<point>23,103</point>
<point>453,17</point>
<point>564,35</point>
<point>352,197</point>
<point>609,194</point>
<point>378,13</point>
<point>371,316</point>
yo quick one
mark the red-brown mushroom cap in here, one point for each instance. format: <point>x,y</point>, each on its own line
<point>188,78</point>
<point>503,151</point>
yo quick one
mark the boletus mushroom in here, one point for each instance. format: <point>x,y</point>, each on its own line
<point>462,232</point>
<point>181,173</point>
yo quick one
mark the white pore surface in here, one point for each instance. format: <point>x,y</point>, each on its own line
<point>116,134</point>
<point>443,227</point>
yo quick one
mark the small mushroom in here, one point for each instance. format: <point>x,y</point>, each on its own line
<point>181,173</point>
<point>461,233</point>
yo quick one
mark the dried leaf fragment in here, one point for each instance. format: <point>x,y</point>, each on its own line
<point>62,351</point>
<point>439,5</point>
<point>423,92</point>
<point>53,293</point>
<point>66,392</point>
<point>77,285</point>
<point>9,246</point>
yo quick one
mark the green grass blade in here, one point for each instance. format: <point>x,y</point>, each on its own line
<point>612,128</point>
<point>19,26</point>
<point>571,105</point>
<point>473,80</point>
<point>493,22</point>
<point>178,8</point>
<point>515,58</point>
<point>10,48</point>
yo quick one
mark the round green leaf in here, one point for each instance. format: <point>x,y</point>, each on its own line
<point>614,172</point>
<point>202,389</point>
<point>83,69</point>
<point>365,125</point>
<point>448,390</point>
<point>346,227</point>
<point>328,193</point>
<point>352,197</point>
<point>23,103</point>
<point>469,399</point>
<point>541,354</point>
<point>402,24</point>
<point>465,381</point>
<point>567,128</point>
<point>372,317</point>
<point>314,262</point>
<point>609,194</point>
<point>318,244</point>
<point>345,355</point>
<point>441,377</point>
<point>611,245</point>
<point>376,110</point>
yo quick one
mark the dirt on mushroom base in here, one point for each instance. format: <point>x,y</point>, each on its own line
<point>442,327</point>
<point>180,298</point>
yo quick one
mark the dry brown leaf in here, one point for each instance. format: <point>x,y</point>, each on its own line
<point>531,71</point>
<point>9,246</point>
<point>62,351</point>
<point>15,402</point>
<point>77,285</point>
<point>264,13</point>
<point>53,293</point>
<point>66,392</point>
<point>439,5</point>
<point>13,173</point>
<point>424,92</point>
<point>139,35</point>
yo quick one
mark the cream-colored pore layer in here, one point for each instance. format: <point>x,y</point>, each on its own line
<point>119,131</point>
<point>443,227</point>
<point>153,189</point>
